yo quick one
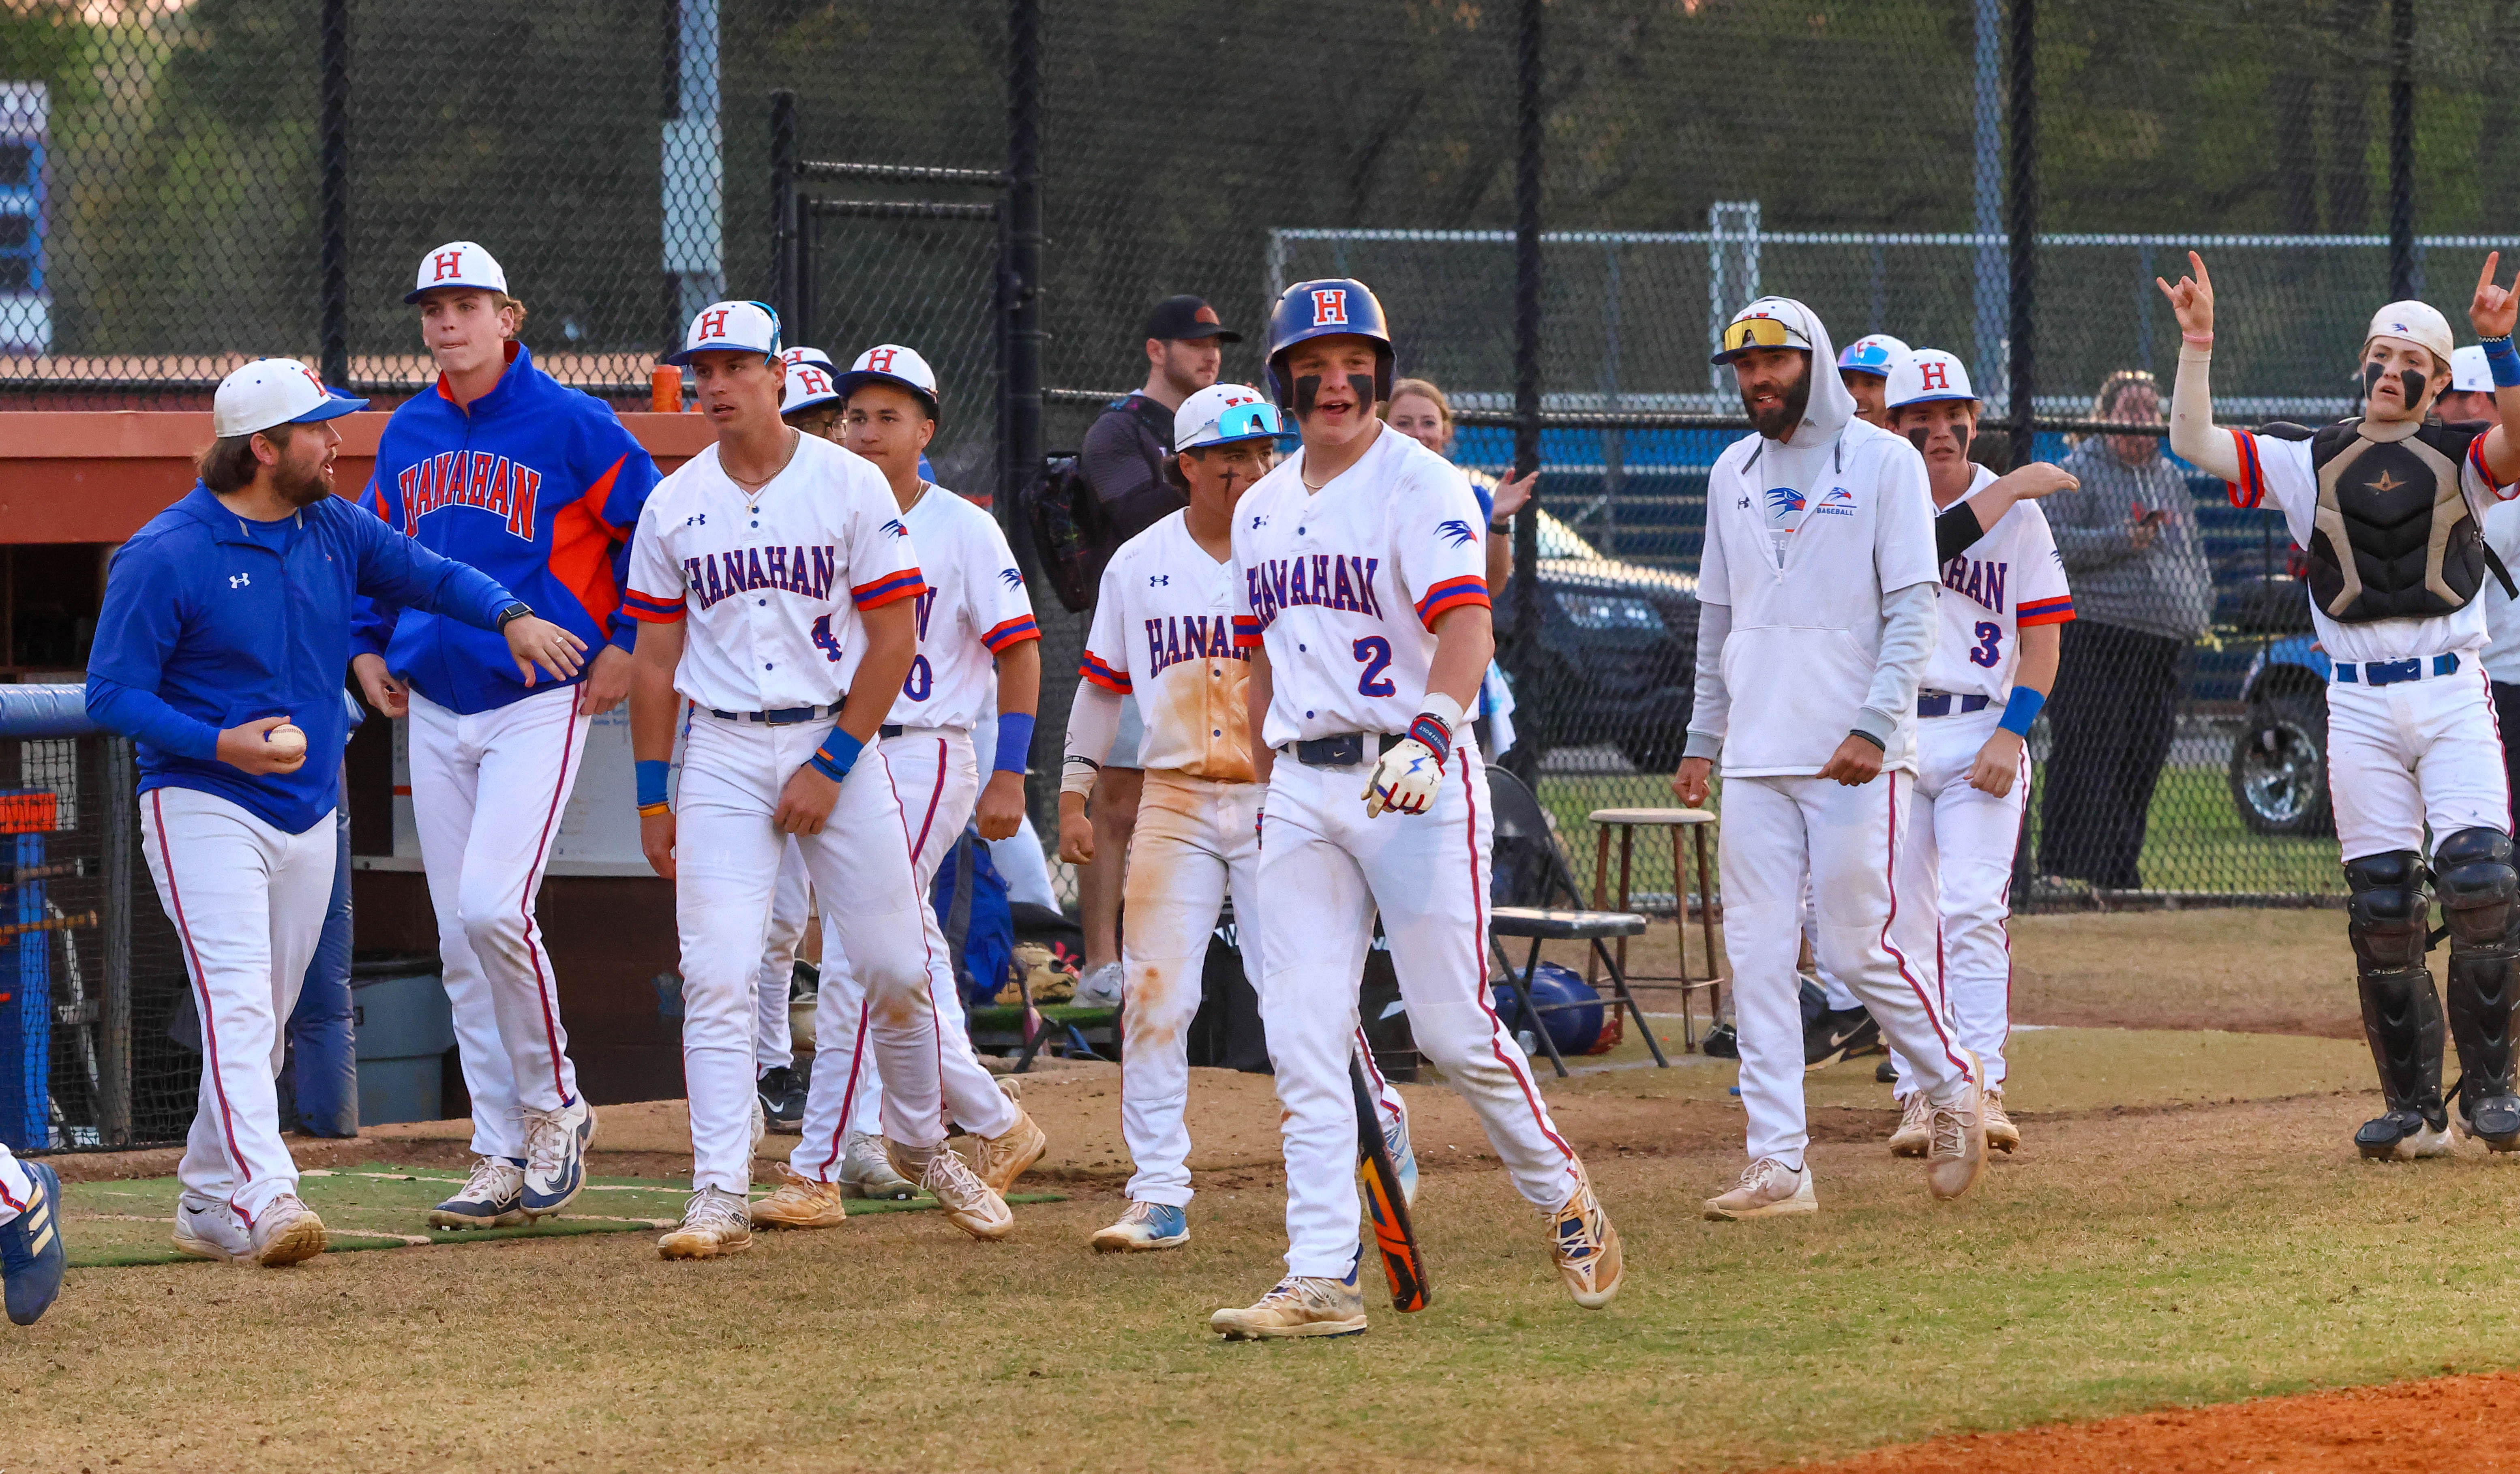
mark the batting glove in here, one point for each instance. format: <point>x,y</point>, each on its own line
<point>1406,777</point>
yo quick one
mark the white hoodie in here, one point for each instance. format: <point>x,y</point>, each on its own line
<point>1794,656</point>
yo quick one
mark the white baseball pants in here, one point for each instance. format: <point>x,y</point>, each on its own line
<point>726,856</point>
<point>15,1187</point>
<point>935,785</point>
<point>1195,840</point>
<point>1324,869</point>
<point>791,905</point>
<point>1879,942</point>
<point>247,903</point>
<point>511,769</point>
<point>2415,754</point>
<point>1959,864</point>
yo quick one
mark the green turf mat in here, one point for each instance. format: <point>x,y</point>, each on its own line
<point>379,1205</point>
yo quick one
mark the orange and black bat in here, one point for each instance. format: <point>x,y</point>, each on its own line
<point>1402,1263</point>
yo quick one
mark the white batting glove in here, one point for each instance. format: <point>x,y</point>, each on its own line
<point>1406,777</point>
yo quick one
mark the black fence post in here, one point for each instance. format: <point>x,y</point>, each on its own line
<point>1021,271</point>
<point>333,247</point>
<point>2023,208</point>
<point>783,206</point>
<point>2406,275</point>
<point>1526,316</point>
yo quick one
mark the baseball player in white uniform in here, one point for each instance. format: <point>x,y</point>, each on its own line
<point>2389,508</point>
<point>1999,611</point>
<point>1162,632</point>
<point>1816,595</point>
<point>773,573</point>
<point>975,635</point>
<point>1360,588</point>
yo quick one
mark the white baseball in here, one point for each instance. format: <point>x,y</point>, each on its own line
<point>287,741</point>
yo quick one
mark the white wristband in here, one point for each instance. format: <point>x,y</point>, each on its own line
<point>1442,709</point>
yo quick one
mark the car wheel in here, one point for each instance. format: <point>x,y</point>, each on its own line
<point>2279,766</point>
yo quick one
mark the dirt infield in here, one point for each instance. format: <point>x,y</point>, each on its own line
<point>2451,1422</point>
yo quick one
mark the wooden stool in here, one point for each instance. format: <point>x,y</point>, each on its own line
<point>1697,822</point>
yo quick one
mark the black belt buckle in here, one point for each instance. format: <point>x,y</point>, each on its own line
<point>889,729</point>
<point>1345,750</point>
<point>1933,706</point>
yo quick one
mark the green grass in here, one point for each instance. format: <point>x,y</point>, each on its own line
<point>2194,841</point>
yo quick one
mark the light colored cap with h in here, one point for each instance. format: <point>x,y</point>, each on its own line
<point>1872,353</point>
<point>894,365</point>
<point>458,263</point>
<point>809,380</point>
<point>731,327</point>
<point>271,391</point>
<point>1925,375</point>
<point>1222,414</point>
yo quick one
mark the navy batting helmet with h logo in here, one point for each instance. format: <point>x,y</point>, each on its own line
<point>1318,309</point>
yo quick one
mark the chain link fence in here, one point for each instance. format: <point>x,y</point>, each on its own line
<point>184,183</point>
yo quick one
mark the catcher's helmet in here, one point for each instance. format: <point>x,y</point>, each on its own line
<point>1575,1028</point>
<point>1318,309</point>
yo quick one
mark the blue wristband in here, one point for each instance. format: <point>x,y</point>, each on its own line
<point>652,774</point>
<point>838,755</point>
<point>2022,710</point>
<point>2503,360</point>
<point>1014,742</point>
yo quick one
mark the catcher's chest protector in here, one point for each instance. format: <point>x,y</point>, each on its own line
<point>2393,537</point>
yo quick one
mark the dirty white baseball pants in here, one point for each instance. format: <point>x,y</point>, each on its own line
<point>2412,753</point>
<point>511,769</point>
<point>247,903</point>
<point>1194,841</point>
<point>725,856</point>
<point>1324,869</point>
<point>935,785</point>
<point>1777,831</point>
<point>1959,860</point>
<point>791,905</point>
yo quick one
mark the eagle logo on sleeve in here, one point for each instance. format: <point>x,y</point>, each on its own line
<point>1456,532</point>
<point>893,526</point>
<point>1011,578</point>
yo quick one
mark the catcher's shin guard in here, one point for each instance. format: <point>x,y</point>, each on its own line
<point>2480,896</point>
<point>2402,1016</point>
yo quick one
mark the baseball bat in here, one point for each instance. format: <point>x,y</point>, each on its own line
<point>1403,1265</point>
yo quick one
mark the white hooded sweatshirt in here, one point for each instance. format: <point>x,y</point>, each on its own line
<point>1815,587</point>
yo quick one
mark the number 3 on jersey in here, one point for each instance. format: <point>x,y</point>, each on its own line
<point>1989,651</point>
<point>1375,653</point>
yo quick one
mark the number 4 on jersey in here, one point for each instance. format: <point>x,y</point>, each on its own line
<point>825,641</point>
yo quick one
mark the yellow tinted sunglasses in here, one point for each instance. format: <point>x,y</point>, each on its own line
<point>1757,332</point>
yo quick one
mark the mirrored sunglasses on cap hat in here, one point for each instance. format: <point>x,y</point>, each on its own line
<point>1254,421</point>
<point>1744,334</point>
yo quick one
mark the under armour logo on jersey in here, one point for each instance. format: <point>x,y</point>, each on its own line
<point>1745,504</point>
<point>697,519</point>
<point>1329,306</point>
<point>446,263</point>
<point>1457,532</point>
<point>1011,578</point>
<point>879,360</point>
<point>1259,520</point>
<point>1783,499</point>
<point>239,580</point>
<point>1938,375</point>
<point>1159,580</point>
<point>713,323</point>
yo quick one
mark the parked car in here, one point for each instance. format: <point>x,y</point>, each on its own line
<point>2279,760</point>
<point>1615,661</point>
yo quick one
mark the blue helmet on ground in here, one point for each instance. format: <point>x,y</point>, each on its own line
<point>1574,1030</point>
<point>1320,309</point>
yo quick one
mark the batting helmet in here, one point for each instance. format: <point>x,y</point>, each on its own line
<point>1574,1030</point>
<point>1320,309</point>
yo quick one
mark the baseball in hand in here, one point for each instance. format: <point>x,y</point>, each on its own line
<point>287,741</point>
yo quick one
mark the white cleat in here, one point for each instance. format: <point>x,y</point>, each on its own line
<point>1010,1153</point>
<point>1100,988</point>
<point>1768,1188</point>
<point>555,1156</point>
<point>1587,1249</point>
<point>715,1224</point>
<point>866,1171</point>
<point>968,1202</point>
<point>1958,1156</point>
<point>207,1229</point>
<point>1915,1131</point>
<point>1301,1305</point>
<point>287,1233</point>
<point>1145,1226</point>
<point>2000,1134</point>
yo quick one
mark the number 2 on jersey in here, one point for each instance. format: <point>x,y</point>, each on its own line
<point>1376,653</point>
<point>1990,644</point>
<point>825,641</point>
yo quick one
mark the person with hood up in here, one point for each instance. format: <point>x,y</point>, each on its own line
<point>1816,594</point>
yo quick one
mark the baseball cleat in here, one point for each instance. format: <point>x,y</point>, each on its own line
<point>1301,1305</point>
<point>802,1202</point>
<point>1957,1154</point>
<point>1404,1158</point>
<point>1768,1188</point>
<point>1587,1249</point>
<point>1009,1154</point>
<point>968,1203</point>
<point>1839,1034</point>
<point>783,1099</point>
<point>32,1256</point>
<point>2402,1135</point>
<point>1145,1226</point>
<point>2496,1121</point>
<point>1099,988</point>
<point>867,1172</point>
<point>555,1156</point>
<point>287,1233</point>
<point>2000,1134</point>
<point>1916,1130</point>
<point>715,1224</point>
<point>207,1229</point>
<point>492,1197</point>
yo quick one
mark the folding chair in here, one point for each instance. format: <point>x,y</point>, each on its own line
<point>1530,876</point>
